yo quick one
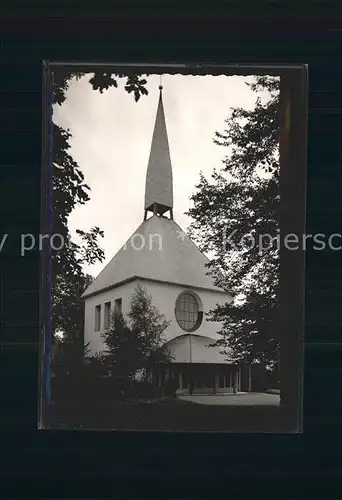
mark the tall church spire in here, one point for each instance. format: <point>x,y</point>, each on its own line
<point>159,185</point>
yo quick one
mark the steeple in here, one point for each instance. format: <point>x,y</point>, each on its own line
<point>159,186</point>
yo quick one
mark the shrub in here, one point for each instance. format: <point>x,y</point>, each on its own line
<point>171,388</point>
<point>147,390</point>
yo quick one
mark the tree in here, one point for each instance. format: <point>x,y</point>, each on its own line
<point>69,190</point>
<point>233,213</point>
<point>136,345</point>
<point>68,347</point>
<point>149,325</point>
<point>100,80</point>
<point>124,353</point>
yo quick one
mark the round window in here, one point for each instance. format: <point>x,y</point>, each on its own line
<point>187,312</point>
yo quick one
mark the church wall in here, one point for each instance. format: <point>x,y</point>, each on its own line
<point>164,297</point>
<point>90,335</point>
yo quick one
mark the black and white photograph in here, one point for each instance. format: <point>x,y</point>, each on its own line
<point>165,250</point>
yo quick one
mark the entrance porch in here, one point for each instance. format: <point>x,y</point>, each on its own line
<point>204,378</point>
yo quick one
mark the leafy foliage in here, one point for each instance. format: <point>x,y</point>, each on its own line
<point>135,346</point>
<point>69,282</point>
<point>235,211</point>
<point>134,83</point>
<point>149,325</point>
<point>100,80</point>
<point>70,190</point>
<point>123,349</point>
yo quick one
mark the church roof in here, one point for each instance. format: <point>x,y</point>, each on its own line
<point>158,250</point>
<point>159,185</point>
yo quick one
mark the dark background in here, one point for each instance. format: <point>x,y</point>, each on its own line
<point>47,463</point>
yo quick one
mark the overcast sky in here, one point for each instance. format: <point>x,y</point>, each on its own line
<point>111,139</point>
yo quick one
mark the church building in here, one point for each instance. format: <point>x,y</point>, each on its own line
<point>162,259</point>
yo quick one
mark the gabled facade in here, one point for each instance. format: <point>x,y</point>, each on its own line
<point>160,257</point>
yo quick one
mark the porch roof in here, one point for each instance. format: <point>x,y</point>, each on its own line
<point>191,348</point>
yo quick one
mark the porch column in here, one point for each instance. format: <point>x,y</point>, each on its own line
<point>180,379</point>
<point>216,381</point>
<point>249,378</point>
<point>235,380</point>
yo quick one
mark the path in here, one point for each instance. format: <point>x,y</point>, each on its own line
<point>240,399</point>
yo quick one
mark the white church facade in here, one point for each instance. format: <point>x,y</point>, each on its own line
<point>161,258</point>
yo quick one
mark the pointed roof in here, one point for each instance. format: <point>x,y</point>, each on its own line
<point>158,250</point>
<point>159,186</point>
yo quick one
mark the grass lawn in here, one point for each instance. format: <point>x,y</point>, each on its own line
<point>169,414</point>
